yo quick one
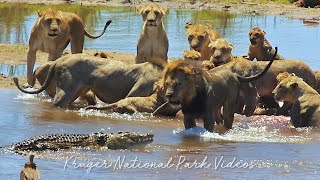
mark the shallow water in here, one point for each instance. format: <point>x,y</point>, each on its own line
<point>264,147</point>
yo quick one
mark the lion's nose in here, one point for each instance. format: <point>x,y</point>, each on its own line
<point>151,20</point>
<point>217,56</point>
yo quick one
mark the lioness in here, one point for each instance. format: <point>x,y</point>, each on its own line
<point>305,110</point>
<point>199,38</point>
<point>109,80</point>
<point>260,48</point>
<point>242,66</point>
<point>317,74</point>
<point>153,41</point>
<point>147,104</point>
<point>52,33</point>
<point>202,93</point>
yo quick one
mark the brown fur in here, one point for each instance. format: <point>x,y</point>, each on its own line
<point>199,38</point>
<point>317,74</point>
<point>260,48</point>
<point>305,110</point>
<point>52,33</point>
<point>192,55</point>
<point>141,104</point>
<point>109,80</point>
<point>153,42</point>
<point>202,93</point>
<point>268,82</point>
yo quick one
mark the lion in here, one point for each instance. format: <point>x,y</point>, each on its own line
<point>317,74</point>
<point>199,38</point>
<point>109,80</point>
<point>155,104</point>
<point>260,48</point>
<point>52,33</point>
<point>305,110</point>
<point>244,67</point>
<point>202,94</point>
<point>153,42</point>
<point>192,55</point>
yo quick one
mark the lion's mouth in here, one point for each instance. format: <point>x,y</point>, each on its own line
<point>253,41</point>
<point>216,64</point>
<point>52,35</point>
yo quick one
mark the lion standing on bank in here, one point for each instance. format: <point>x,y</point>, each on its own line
<point>52,33</point>
<point>153,42</point>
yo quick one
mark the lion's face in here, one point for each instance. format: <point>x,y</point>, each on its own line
<point>198,35</point>
<point>220,51</point>
<point>191,55</point>
<point>178,83</point>
<point>256,36</point>
<point>152,14</point>
<point>50,20</point>
<point>287,88</point>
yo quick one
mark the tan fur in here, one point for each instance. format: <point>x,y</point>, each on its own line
<point>268,82</point>
<point>317,74</point>
<point>199,38</point>
<point>305,110</point>
<point>201,95</point>
<point>141,104</point>
<point>52,32</point>
<point>109,80</point>
<point>41,74</point>
<point>153,41</point>
<point>260,48</point>
<point>192,55</point>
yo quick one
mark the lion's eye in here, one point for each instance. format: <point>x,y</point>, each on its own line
<point>213,49</point>
<point>200,38</point>
<point>147,12</point>
<point>49,20</point>
<point>190,38</point>
<point>156,13</point>
<point>58,21</point>
<point>223,49</point>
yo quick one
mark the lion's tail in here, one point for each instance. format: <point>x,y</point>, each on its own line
<point>257,76</point>
<point>104,30</point>
<point>43,87</point>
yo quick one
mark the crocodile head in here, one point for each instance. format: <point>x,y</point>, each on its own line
<point>128,140</point>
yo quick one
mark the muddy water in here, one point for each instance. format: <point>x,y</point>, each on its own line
<point>258,147</point>
<point>261,146</point>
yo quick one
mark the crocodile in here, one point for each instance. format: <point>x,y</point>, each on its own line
<point>54,142</point>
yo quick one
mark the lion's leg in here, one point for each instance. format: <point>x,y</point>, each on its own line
<point>31,58</point>
<point>89,97</point>
<point>189,121</point>
<point>228,113</point>
<point>77,44</point>
<point>208,122</point>
<point>251,97</point>
<point>217,116</point>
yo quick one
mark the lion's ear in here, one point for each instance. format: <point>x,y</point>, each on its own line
<point>188,24</point>
<point>264,33</point>
<point>140,9</point>
<point>208,26</point>
<point>163,10</point>
<point>231,46</point>
<point>294,85</point>
<point>40,13</point>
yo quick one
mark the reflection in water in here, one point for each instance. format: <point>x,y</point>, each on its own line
<point>14,70</point>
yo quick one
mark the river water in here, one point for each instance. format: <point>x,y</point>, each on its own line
<point>258,147</point>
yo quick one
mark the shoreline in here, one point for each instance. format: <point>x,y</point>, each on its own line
<point>240,7</point>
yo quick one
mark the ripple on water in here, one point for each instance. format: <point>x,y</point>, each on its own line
<point>273,129</point>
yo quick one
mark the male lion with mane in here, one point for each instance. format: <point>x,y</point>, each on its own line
<point>305,110</point>
<point>52,33</point>
<point>153,41</point>
<point>199,38</point>
<point>109,80</point>
<point>202,94</point>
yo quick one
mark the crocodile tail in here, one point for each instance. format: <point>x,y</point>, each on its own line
<point>257,76</point>
<point>43,87</point>
<point>104,30</point>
